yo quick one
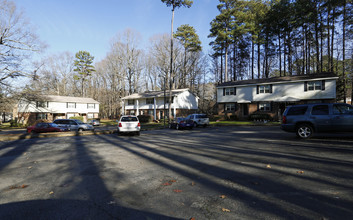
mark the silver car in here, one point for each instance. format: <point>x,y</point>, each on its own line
<point>129,124</point>
<point>73,125</point>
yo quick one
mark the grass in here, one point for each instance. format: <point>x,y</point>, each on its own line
<point>234,123</point>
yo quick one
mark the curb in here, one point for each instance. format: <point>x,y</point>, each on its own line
<point>13,137</point>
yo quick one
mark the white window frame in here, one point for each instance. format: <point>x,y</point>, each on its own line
<point>264,107</point>
<point>265,89</point>
<point>71,105</point>
<point>148,101</point>
<point>90,106</point>
<point>230,107</point>
<point>314,85</point>
<point>129,101</point>
<point>229,91</point>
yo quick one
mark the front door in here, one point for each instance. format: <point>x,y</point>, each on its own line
<point>245,109</point>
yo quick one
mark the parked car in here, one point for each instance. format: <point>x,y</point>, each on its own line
<point>181,123</point>
<point>307,119</point>
<point>129,124</point>
<point>199,119</point>
<point>73,125</point>
<point>94,122</point>
<point>45,127</point>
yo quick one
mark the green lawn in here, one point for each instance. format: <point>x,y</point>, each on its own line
<point>233,123</point>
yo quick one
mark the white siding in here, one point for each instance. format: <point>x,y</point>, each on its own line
<point>292,90</point>
<point>57,107</point>
<point>184,100</point>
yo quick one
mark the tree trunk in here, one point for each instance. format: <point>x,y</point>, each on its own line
<point>344,51</point>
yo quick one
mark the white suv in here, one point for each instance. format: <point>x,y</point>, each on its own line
<point>199,119</point>
<point>129,124</point>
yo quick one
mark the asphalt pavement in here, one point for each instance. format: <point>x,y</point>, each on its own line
<point>253,172</point>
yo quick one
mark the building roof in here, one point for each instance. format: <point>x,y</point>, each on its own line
<point>283,79</point>
<point>152,94</point>
<point>55,98</point>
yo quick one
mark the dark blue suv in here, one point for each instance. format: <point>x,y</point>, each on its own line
<point>306,119</point>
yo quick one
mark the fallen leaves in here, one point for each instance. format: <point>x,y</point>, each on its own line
<point>18,187</point>
<point>225,210</point>
<point>51,193</point>
<point>222,196</point>
<point>169,183</point>
<point>300,171</point>
<point>268,166</point>
<point>177,190</point>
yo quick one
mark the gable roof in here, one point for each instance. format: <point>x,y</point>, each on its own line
<point>56,98</point>
<point>152,94</point>
<point>283,79</point>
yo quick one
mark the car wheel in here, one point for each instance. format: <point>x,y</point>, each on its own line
<point>195,125</point>
<point>80,130</point>
<point>170,126</point>
<point>177,127</point>
<point>138,133</point>
<point>304,131</point>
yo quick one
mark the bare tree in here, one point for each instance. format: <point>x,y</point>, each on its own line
<point>17,42</point>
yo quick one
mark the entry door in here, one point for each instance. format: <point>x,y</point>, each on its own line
<point>245,109</point>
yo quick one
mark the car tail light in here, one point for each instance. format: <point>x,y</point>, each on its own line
<point>139,125</point>
<point>284,120</point>
<point>120,125</point>
<point>182,122</point>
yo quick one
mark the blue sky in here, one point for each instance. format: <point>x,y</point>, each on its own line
<point>73,25</point>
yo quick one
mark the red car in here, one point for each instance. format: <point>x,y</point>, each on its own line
<point>45,127</point>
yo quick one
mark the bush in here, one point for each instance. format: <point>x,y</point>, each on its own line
<point>259,117</point>
<point>77,118</point>
<point>145,118</point>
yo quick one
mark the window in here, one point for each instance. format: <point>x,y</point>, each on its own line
<point>229,91</point>
<point>264,89</point>
<point>167,100</point>
<point>151,112</point>
<point>314,85</point>
<point>90,106</point>
<point>71,105</point>
<point>300,110</point>
<point>41,116</point>
<point>320,110</point>
<point>230,107</point>
<point>131,102</point>
<point>90,115</point>
<point>150,101</point>
<point>42,104</point>
<point>339,109</point>
<point>264,107</point>
<point>68,115</point>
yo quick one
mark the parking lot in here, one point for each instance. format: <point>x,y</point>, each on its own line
<point>243,172</point>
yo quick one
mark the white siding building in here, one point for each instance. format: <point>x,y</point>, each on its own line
<point>57,107</point>
<point>152,103</point>
<point>272,95</point>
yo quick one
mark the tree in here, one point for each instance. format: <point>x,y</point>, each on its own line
<point>191,43</point>
<point>83,66</point>
<point>17,42</point>
<point>174,4</point>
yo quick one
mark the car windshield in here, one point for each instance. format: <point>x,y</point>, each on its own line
<point>53,125</point>
<point>201,116</point>
<point>128,119</point>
